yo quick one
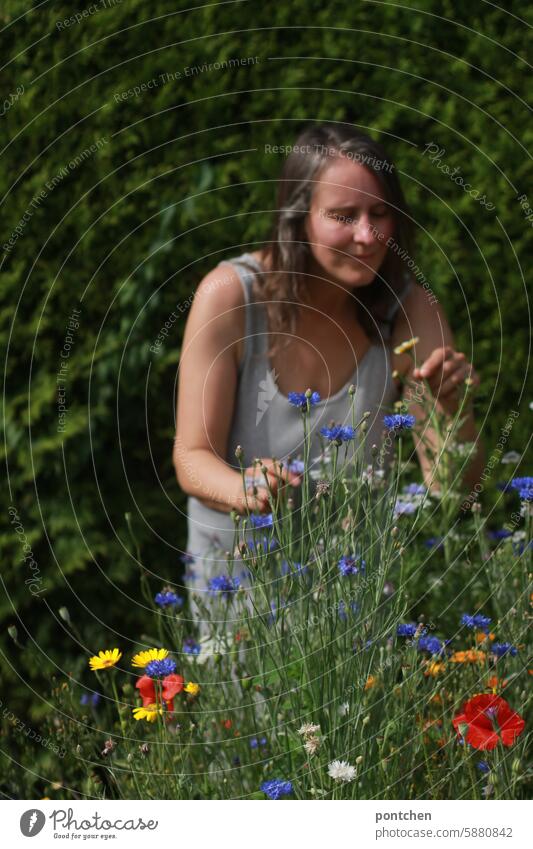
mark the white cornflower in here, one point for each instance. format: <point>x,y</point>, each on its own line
<point>311,745</point>
<point>344,708</point>
<point>341,771</point>
<point>308,729</point>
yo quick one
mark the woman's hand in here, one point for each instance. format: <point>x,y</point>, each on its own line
<point>276,479</point>
<point>445,370</point>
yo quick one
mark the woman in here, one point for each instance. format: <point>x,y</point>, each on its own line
<point>320,306</point>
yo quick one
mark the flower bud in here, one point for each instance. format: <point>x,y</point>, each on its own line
<point>65,615</point>
<point>359,759</point>
<point>366,720</point>
<point>239,453</point>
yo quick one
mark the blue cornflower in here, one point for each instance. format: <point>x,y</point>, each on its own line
<point>190,646</point>
<point>430,644</point>
<point>500,534</point>
<point>187,558</point>
<point>404,508</point>
<point>297,467</point>
<point>297,569</point>
<point>399,422</point>
<point>167,598</point>
<point>499,649</point>
<point>406,629</point>
<point>519,547</point>
<point>414,489</point>
<point>434,542</point>
<point>343,616</point>
<point>521,483</point>
<point>338,434</point>
<point>299,399</point>
<point>223,585</point>
<point>90,699</point>
<point>265,521</point>
<point>481,623</point>
<point>351,565</point>
<point>483,766</point>
<point>276,787</point>
<point>264,542</point>
<point>255,743</point>
<point>160,668</point>
<point>524,486</point>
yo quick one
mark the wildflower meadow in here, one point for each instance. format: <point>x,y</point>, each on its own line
<point>367,639</point>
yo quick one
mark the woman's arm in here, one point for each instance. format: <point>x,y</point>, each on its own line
<point>445,370</point>
<point>208,380</point>
<point>207,384</point>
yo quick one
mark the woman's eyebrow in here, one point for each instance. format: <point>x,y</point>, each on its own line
<point>353,206</point>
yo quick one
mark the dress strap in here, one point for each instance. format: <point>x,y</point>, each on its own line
<point>255,331</point>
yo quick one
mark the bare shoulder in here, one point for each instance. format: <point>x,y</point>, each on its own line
<point>221,288</point>
<point>217,309</point>
<point>420,315</point>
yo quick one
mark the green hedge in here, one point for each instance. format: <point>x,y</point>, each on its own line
<point>176,179</point>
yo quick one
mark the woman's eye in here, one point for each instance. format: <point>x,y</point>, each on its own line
<point>380,213</point>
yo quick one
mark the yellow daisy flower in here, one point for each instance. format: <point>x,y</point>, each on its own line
<point>406,346</point>
<point>193,689</point>
<point>144,657</point>
<point>149,712</point>
<point>105,659</point>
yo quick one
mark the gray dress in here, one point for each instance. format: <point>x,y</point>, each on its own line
<point>265,424</point>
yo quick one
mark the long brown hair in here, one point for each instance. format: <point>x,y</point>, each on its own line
<point>288,251</point>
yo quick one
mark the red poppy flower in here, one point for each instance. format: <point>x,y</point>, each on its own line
<point>172,685</point>
<point>488,719</point>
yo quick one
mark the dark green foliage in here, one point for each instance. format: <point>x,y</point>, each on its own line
<point>179,179</point>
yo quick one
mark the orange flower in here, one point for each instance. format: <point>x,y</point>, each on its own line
<point>494,682</point>
<point>434,669</point>
<point>371,681</point>
<point>482,638</point>
<point>470,656</point>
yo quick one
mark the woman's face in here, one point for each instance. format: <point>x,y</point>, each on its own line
<point>348,224</point>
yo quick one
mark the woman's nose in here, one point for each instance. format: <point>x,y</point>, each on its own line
<point>364,231</point>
